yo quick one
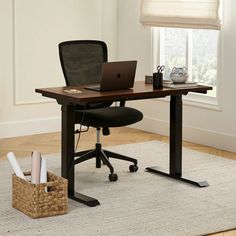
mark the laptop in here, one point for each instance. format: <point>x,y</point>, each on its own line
<point>116,76</point>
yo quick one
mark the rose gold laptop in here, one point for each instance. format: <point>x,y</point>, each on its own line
<point>116,76</point>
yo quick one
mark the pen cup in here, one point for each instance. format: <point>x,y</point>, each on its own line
<point>157,80</point>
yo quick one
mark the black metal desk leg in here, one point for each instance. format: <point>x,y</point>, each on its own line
<point>175,165</point>
<point>176,135</point>
<point>67,156</point>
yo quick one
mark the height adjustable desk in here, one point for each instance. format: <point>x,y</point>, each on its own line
<point>139,91</point>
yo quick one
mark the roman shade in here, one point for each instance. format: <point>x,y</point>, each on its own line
<point>194,14</point>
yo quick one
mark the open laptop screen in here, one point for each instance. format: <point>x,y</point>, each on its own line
<point>116,75</point>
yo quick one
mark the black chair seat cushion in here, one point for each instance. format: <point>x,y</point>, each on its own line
<point>108,117</point>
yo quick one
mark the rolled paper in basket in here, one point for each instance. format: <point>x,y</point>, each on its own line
<point>43,172</point>
<point>35,167</point>
<point>14,164</point>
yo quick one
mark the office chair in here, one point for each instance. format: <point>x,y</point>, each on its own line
<point>81,63</point>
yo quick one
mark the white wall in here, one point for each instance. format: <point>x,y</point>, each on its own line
<point>204,126</point>
<point>30,33</point>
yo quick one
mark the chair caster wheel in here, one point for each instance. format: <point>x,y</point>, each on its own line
<point>133,168</point>
<point>113,177</point>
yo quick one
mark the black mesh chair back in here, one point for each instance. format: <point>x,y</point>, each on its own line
<point>82,60</point>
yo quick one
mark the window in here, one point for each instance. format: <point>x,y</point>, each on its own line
<point>195,49</point>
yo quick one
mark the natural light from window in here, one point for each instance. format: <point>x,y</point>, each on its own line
<point>197,50</point>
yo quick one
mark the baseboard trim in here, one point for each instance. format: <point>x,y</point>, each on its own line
<point>192,134</point>
<point>30,127</point>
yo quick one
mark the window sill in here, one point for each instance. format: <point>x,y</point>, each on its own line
<point>198,100</point>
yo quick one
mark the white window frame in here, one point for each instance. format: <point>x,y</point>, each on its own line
<point>192,99</point>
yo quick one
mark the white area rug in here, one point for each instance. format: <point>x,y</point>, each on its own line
<point>139,203</point>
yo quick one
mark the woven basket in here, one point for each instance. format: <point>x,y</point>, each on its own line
<point>34,201</point>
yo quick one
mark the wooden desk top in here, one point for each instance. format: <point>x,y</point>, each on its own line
<point>139,91</point>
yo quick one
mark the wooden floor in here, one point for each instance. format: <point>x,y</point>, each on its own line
<point>50,143</point>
